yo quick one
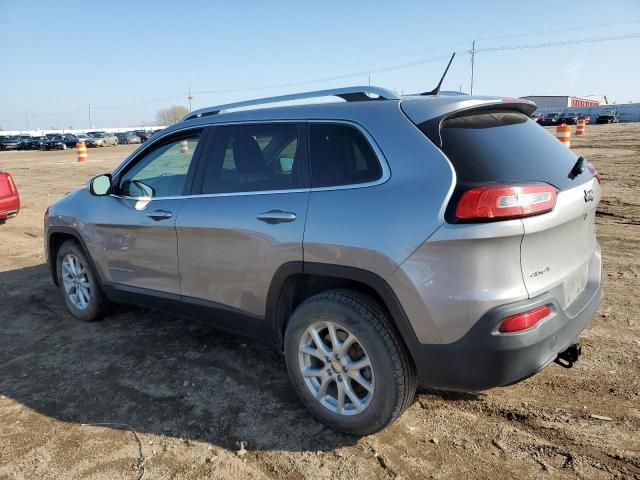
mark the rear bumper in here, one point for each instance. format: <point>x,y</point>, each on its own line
<point>484,359</point>
<point>9,207</point>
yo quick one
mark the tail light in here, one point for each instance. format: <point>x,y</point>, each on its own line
<point>594,170</point>
<point>46,214</point>
<point>525,320</point>
<point>12,185</point>
<point>501,202</point>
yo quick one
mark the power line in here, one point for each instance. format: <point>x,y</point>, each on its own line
<point>560,43</point>
<point>420,51</point>
<point>471,52</point>
<point>56,114</point>
<point>346,65</point>
<point>139,103</point>
<point>336,77</point>
<point>367,72</point>
<point>570,29</point>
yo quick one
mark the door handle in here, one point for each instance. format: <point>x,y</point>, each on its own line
<point>159,215</point>
<point>277,216</point>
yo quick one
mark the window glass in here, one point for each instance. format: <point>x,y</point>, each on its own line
<point>161,172</point>
<point>487,146</point>
<point>340,155</point>
<point>249,158</point>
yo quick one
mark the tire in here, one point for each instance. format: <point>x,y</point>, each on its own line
<point>390,374</point>
<point>97,305</point>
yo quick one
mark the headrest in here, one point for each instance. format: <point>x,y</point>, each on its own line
<point>248,156</point>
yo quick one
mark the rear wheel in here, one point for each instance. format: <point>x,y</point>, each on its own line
<point>78,284</point>
<point>347,363</point>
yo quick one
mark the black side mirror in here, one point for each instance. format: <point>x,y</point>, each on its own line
<point>100,185</point>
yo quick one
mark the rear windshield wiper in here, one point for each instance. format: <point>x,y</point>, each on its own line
<point>577,168</point>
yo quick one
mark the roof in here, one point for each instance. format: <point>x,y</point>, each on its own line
<point>359,100</point>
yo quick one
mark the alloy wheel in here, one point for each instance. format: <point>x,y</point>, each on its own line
<point>336,368</point>
<point>76,283</point>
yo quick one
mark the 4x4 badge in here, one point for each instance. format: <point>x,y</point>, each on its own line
<point>588,195</point>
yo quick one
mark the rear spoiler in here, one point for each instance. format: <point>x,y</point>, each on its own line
<point>429,120</point>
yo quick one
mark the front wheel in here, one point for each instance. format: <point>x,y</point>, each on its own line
<point>78,283</point>
<point>347,363</point>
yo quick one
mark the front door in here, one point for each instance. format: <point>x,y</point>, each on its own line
<point>135,225</point>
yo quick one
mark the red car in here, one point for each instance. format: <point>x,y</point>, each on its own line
<point>9,197</point>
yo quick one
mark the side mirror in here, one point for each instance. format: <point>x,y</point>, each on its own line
<point>100,185</point>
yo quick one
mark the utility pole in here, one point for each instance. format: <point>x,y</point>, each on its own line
<point>90,119</point>
<point>473,63</point>
<point>27,122</point>
<point>189,97</point>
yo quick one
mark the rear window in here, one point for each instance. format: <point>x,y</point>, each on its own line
<point>488,146</point>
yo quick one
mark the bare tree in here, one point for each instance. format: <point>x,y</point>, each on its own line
<point>171,115</point>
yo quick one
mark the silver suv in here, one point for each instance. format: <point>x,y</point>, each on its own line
<point>378,242</point>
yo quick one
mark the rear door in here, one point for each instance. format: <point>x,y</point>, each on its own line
<point>247,219</point>
<point>493,146</point>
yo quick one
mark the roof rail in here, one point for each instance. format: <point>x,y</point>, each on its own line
<point>350,94</point>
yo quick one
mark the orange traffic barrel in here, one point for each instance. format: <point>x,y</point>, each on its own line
<point>184,146</point>
<point>563,133</point>
<point>581,126</point>
<point>82,152</point>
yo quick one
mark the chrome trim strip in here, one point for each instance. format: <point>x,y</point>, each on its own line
<point>386,171</point>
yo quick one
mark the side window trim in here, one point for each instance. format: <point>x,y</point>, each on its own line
<point>208,136</point>
<point>152,145</point>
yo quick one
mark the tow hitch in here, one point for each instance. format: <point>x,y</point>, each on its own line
<point>570,356</point>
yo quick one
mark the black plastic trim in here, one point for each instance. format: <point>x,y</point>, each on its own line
<point>484,359</point>
<point>381,287</point>
<point>222,317</point>
<point>480,360</point>
<point>274,295</point>
<point>51,259</point>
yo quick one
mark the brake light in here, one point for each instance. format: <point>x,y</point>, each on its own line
<point>514,100</point>
<point>501,202</point>
<point>594,170</point>
<point>46,214</point>
<point>525,320</point>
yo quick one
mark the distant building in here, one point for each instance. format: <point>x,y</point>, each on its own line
<point>557,101</point>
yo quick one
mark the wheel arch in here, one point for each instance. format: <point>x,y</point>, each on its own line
<point>295,282</point>
<point>56,236</point>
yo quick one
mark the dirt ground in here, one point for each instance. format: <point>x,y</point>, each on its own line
<point>146,393</point>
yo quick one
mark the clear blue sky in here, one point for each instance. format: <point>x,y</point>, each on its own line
<point>130,59</point>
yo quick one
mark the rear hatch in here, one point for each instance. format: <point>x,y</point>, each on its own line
<point>500,145</point>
